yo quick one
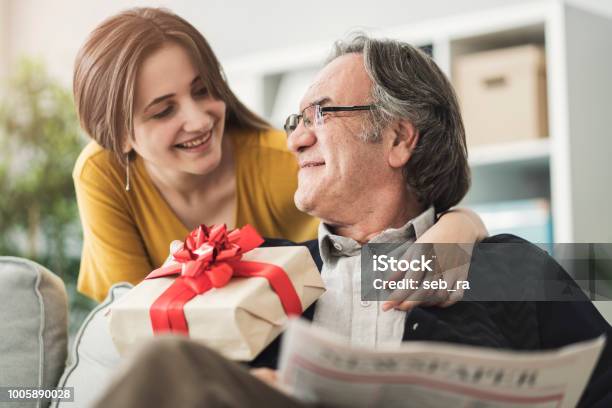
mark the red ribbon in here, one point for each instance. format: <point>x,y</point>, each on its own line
<point>209,258</point>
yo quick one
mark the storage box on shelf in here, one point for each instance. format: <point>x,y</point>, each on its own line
<point>502,93</point>
<point>569,168</point>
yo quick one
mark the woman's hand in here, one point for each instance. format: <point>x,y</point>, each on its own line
<point>460,226</point>
<point>266,375</point>
<point>174,246</point>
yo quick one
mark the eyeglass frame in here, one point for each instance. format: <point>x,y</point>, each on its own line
<point>320,110</point>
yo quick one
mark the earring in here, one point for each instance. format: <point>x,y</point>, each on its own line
<point>127,172</point>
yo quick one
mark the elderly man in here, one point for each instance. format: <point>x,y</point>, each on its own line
<point>381,148</point>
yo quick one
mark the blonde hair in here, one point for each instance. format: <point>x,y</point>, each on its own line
<point>106,67</point>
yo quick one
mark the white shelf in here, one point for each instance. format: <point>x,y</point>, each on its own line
<point>569,169</point>
<point>510,153</point>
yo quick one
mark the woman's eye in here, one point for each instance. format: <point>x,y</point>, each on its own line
<point>163,113</point>
<point>201,92</point>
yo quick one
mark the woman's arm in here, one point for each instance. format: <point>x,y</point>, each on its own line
<point>456,226</point>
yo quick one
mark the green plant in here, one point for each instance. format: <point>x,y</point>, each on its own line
<point>39,143</point>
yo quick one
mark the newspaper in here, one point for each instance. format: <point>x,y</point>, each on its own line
<point>317,366</point>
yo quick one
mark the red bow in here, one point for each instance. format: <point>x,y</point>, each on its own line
<point>208,259</point>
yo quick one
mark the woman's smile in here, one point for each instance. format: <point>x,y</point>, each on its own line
<point>198,144</point>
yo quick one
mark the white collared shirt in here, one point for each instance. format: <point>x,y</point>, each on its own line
<point>341,309</point>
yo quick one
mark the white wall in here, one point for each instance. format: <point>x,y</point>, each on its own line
<point>54,30</point>
<point>3,35</point>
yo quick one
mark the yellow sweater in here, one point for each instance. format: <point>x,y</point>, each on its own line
<point>126,234</point>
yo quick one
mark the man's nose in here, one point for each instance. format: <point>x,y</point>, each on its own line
<point>301,138</point>
<point>195,117</point>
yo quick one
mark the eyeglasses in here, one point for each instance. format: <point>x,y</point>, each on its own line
<point>313,115</point>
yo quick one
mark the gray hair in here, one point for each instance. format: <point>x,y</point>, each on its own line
<point>407,84</point>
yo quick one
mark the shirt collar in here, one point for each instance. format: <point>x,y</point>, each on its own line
<point>332,245</point>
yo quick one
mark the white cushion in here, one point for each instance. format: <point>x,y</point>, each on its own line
<point>93,357</point>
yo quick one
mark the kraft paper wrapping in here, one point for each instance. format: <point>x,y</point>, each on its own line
<point>238,321</point>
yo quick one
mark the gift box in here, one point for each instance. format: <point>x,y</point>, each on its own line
<point>222,290</point>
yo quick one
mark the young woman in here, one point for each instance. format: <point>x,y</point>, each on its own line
<point>174,148</point>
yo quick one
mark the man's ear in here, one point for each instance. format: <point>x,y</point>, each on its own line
<point>405,138</point>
